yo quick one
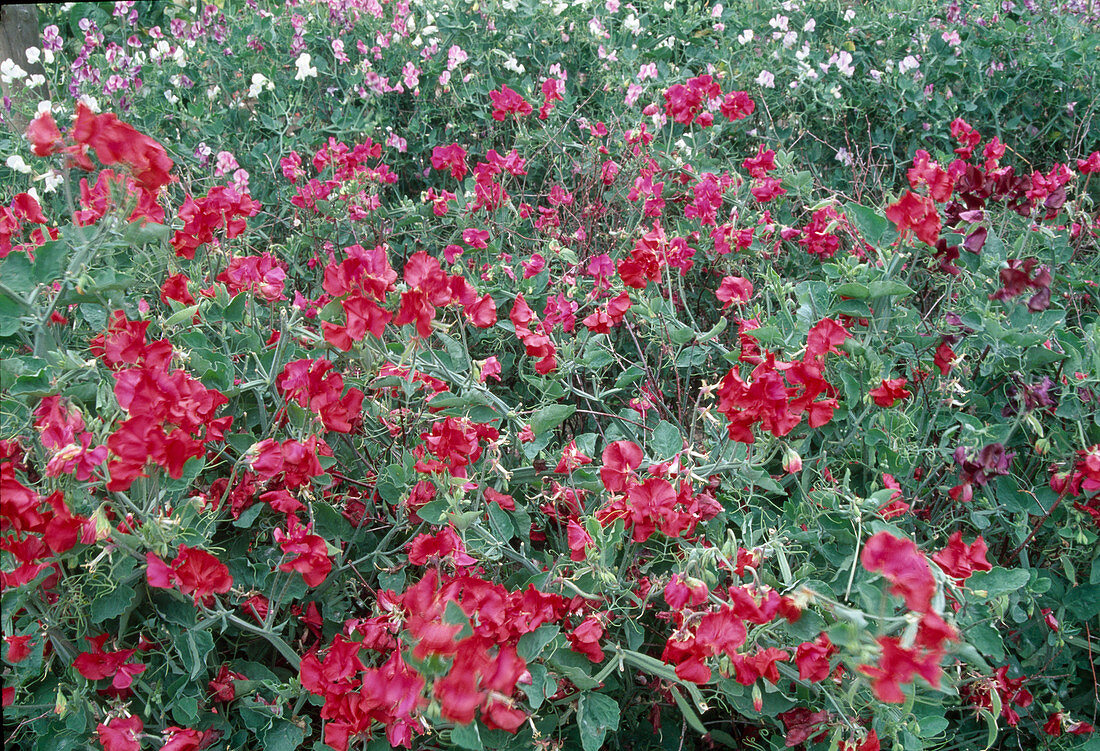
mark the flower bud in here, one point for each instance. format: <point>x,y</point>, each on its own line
<point>792,462</point>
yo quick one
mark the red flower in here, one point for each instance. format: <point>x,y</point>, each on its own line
<point>812,658</point>
<point>737,105</point>
<point>194,572</point>
<point>175,288</point>
<point>578,539</point>
<point>440,545</point>
<point>585,639</point>
<point>116,142</point>
<point>18,648</point>
<point>97,664</point>
<point>180,739</point>
<point>898,665</point>
<point>44,135</point>
<point>311,560</point>
<point>451,157</point>
<point>945,358</point>
<point>904,566</point>
<point>571,459</point>
<point>620,459</point>
<point>734,289</point>
<point>507,102</point>
<point>917,213</point>
<point>1057,721</point>
<point>889,392</point>
<point>682,592</point>
<point>222,686</point>
<point>120,734</point>
<point>960,560</point>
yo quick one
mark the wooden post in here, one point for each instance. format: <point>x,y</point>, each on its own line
<point>18,31</point>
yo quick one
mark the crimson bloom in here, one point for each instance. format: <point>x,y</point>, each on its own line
<point>904,566</point>
<point>508,102</point>
<point>194,572</point>
<point>890,391</point>
<point>917,213</point>
<point>311,552</point>
<point>960,560</point>
<point>812,658</point>
<point>120,734</point>
<point>98,664</point>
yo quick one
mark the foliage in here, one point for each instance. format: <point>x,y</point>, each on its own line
<point>533,377</point>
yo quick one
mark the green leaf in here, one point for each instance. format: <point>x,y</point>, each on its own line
<point>550,417</point>
<point>884,288</point>
<point>999,581</point>
<point>666,440</point>
<point>870,222</point>
<point>49,261</point>
<point>199,646</point>
<point>1083,602</point>
<point>596,715</point>
<point>986,640</point>
<point>17,273</point>
<point>687,711</point>
<point>112,604</point>
<point>234,311</point>
<point>467,736</point>
<point>531,644</point>
<point>853,291</point>
<point>10,311</point>
<point>283,736</point>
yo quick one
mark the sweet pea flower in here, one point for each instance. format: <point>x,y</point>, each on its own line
<point>305,70</point>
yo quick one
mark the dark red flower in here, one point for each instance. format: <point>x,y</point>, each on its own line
<point>194,572</point>
<point>904,566</point>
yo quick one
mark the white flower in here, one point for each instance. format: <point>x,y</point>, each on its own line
<point>908,63</point>
<point>766,79</point>
<point>90,102</point>
<point>632,24</point>
<point>33,54</point>
<point>18,164</point>
<point>512,64</point>
<point>47,57</point>
<point>259,83</point>
<point>36,79</point>
<point>54,179</point>
<point>844,157</point>
<point>789,39</point>
<point>810,25</point>
<point>44,106</point>
<point>849,14</point>
<point>9,71</point>
<point>212,92</point>
<point>779,22</point>
<point>745,36</point>
<point>304,68</point>
<point>844,63</point>
<point>171,97</point>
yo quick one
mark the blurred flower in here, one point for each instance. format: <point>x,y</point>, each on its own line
<point>17,163</point>
<point>304,68</point>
